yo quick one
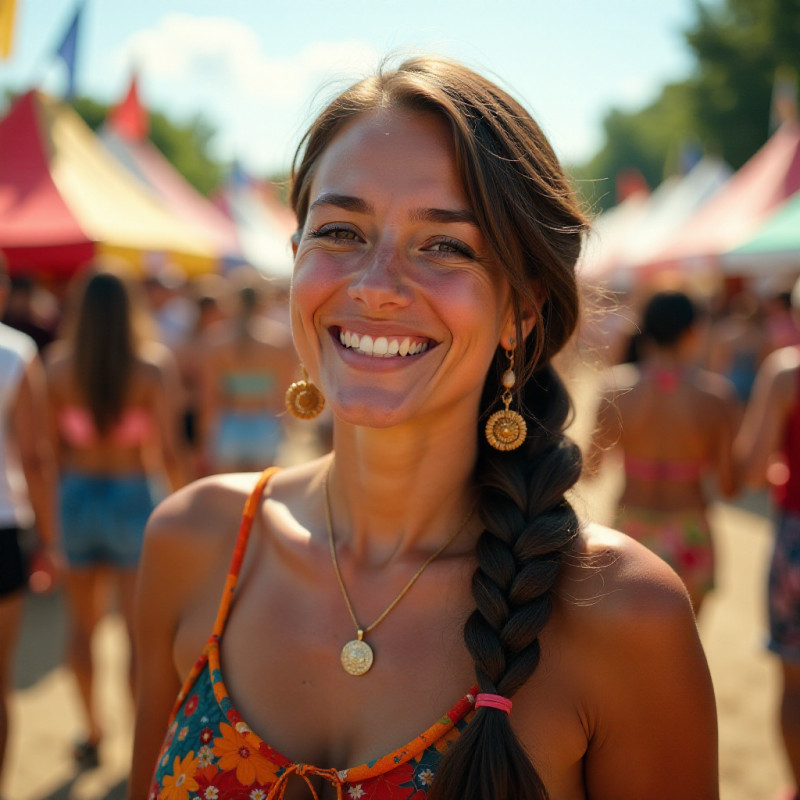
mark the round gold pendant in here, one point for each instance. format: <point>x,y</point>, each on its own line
<point>506,430</point>
<point>357,657</point>
<point>304,400</point>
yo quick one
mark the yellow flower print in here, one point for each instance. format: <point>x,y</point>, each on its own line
<point>236,751</point>
<point>178,785</point>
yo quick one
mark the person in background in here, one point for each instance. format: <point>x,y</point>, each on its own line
<point>432,561</point>
<point>116,436</point>
<point>21,312</point>
<point>768,452</point>
<point>27,489</point>
<point>247,362</point>
<point>209,295</point>
<point>739,343</point>
<point>675,424</point>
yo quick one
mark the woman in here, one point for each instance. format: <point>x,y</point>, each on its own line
<point>115,438</point>
<point>419,568</point>
<point>246,364</point>
<point>675,425</point>
<point>768,450</point>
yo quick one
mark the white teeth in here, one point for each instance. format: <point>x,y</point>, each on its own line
<point>365,344</point>
<point>382,346</point>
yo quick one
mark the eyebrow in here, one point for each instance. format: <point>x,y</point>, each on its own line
<point>360,206</point>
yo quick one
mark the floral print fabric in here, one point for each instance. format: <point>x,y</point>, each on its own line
<point>784,590</point>
<point>210,753</point>
<point>681,538</point>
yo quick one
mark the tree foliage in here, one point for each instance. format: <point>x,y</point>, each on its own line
<point>724,105</point>
<point>185,146</point>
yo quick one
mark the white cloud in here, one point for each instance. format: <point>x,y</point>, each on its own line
<point>216,66</point>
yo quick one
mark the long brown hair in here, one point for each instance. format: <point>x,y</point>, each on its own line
<point>105,346</point>
<point>534,227</point>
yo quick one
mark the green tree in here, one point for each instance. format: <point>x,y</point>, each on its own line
<point>725,105</point>
<point>184,146</point>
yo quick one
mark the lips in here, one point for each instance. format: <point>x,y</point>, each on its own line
<point>400,346</point>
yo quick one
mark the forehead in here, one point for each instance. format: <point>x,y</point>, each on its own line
<point>392,152</point>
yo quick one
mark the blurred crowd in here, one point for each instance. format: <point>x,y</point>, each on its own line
<point>117,389</point>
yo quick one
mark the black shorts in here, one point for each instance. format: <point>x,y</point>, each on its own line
<point>13,566</point>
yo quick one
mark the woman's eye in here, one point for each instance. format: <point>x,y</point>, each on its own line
<point>451,247</point>
<point>333,232</point>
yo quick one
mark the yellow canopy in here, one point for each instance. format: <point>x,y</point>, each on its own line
<point>112,207</point>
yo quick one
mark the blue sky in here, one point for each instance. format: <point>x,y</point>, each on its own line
<point>256,69</point>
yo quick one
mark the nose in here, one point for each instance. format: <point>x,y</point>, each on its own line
<point>380,281</point>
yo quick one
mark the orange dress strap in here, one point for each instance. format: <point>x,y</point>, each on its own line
<point>250,508</point>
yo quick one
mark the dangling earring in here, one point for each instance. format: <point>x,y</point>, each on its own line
<point>506,429</point>
<point>303,399</point>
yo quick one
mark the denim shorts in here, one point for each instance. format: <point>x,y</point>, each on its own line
<point>246,439</point>
<point>103,518</point>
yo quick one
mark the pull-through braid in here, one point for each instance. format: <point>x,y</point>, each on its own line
<point>529,529</point>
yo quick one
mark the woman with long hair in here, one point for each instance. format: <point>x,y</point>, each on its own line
<point>674,423</point>
<point>420,613</point>
<point>115,429</point>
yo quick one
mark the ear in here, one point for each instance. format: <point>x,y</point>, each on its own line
<point>528,320</point>
<point>295,242</point>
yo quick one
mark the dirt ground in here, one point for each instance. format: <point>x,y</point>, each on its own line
<point>46,717</point>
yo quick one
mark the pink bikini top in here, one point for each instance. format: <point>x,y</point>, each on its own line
<point>78,429</point>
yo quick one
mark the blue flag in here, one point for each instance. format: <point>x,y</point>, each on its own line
<point>68,49</point>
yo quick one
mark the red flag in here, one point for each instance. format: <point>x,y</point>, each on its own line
<point>128,119</point>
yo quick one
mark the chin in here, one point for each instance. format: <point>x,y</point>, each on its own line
<point>372,408</point>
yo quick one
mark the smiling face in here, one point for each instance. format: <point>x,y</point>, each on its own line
<point>396,308</point>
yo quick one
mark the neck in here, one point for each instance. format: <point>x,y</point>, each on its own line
<point>394,491</point>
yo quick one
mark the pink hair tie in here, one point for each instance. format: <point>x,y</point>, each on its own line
<point>485,700</point>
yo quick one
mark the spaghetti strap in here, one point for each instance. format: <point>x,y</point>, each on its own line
<point>250,508</point>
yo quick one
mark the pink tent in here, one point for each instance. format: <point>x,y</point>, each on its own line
<point>125,136</point>
<point>38,231</point>
<point>738,208</point>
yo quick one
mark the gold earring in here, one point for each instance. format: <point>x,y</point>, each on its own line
<point>303,399</point>
<point>506,429</point>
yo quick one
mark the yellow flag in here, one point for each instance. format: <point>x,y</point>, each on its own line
<point>6,26</point>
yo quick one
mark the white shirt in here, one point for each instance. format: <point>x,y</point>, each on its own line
<point>17,350</point>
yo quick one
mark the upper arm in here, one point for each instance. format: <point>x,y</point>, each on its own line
<point>654,733</point>
<point>30,418</point>
<point>156,619</point>
<point>764,419</point>
<point>727,424</point>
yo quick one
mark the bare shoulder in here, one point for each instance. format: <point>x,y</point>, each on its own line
<point>782,365</point>
<point>615,589</point>
<point>194,530</point>
<point>716,387</point>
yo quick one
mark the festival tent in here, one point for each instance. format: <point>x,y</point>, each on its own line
<point>775,247</point>
<point>670,206</point>
<point>263,224</point>
<point>125,136</point>
<point>64,200</point>
<point>738,208</point>
<point>606,240</point>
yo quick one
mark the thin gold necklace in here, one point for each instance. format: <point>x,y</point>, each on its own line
<point>357,655</point>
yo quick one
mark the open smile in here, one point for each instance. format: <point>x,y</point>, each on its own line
<point>400,346</point>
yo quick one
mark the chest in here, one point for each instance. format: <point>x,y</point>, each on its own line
<point>280,658</point>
